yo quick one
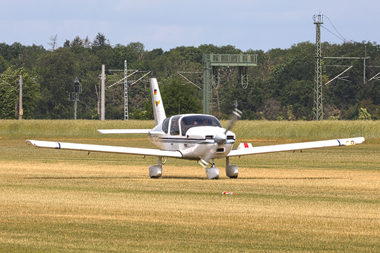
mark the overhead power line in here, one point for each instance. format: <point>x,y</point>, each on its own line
<point>340,35</point>
<point>343,39</point>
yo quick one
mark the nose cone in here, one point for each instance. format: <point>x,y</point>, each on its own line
<point>220,138</point>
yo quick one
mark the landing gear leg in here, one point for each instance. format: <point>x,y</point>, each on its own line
<point>155,171</point>
<point>212,172</point>
<point>232,171</point>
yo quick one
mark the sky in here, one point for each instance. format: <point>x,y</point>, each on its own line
<point>167,24</point>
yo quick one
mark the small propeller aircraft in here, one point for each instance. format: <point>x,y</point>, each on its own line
<point>190,136</point>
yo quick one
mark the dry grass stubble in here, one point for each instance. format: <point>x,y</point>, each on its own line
<point>64,201</point>
<point>68,207</point>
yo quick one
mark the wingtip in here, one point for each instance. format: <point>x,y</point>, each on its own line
<point>358,140</point>
<point>29,142</point>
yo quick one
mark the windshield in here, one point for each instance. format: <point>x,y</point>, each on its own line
<point>188,122</point>
<point>174,127</point>
<point>165,125</point>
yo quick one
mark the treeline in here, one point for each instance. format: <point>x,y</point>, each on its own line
<point>281,87</point>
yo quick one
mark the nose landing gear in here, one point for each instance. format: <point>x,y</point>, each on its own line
<point>232,170</point>
<point>212,172</point>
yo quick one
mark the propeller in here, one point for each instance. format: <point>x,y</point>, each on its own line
<point>236,114</point>
<point>220,139</point>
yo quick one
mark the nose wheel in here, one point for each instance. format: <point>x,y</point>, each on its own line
<point>212,172</point>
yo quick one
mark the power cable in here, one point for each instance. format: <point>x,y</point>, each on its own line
<point>341,37</point>
<point>334,34</point>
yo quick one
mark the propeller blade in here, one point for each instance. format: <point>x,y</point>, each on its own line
<point>205,161</point>
<point>236,114</point>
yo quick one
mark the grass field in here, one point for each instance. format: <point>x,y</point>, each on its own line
<point>65,201</point>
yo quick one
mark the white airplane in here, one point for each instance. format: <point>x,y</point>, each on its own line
<point>190,136</point>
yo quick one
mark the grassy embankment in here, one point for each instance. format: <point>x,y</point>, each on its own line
<point>66,201</point>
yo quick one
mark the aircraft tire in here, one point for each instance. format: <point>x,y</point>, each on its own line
<point>232,171</point>
<point>212,173</point>
<point>155,171</point>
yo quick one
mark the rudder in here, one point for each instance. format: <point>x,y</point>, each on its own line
<point>158,106</point>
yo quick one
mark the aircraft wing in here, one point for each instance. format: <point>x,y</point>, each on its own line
<point>124,131</point>
<point>295,146</point>
<point>103,148</point>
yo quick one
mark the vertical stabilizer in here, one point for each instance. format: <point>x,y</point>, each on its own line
<point>158,106</point>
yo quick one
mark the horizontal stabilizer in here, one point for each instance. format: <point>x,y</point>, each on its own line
<point>124,131</point>
<point>295,146</point>
<point>105,149</point>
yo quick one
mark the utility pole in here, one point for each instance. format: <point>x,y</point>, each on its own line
<point>365,56</point>
<point>318,106</point>
<point>75,95</point>
<point>126,85</point>
<point>126,113</point>
<point>21,111</point>
<point>103,93</point>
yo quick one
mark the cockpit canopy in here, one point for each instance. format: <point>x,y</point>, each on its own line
<point>181,123</point>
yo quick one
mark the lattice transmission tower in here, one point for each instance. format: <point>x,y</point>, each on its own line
<point>318,105</point>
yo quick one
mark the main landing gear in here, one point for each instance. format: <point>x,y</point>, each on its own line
<point>232,171</point>
<point>155,171</point>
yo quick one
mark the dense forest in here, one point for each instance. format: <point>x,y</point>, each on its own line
<point>279,88</point>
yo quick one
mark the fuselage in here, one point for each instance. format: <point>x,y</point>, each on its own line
<point>192,134</point>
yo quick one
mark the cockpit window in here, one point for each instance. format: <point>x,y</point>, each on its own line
<point>188,122</point>
<point>174,126</point>
<point>165,125</point>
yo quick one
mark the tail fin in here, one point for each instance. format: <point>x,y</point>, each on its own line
<point>158,106</point>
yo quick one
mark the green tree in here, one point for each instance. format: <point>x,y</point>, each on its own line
<point>179,99</point>
<point>10,52</point>
<point>281,83</point>
<point>77,42</point>
<point>100,41</point>
<point>363,114</point>
<point>3,64</point>
<point>250,99</point>
<point>57,72</point>
<point>293,86</point>
<point>102,49</point>
<point>9,93</point>
<point>8,97</point>
<point>66,44</point>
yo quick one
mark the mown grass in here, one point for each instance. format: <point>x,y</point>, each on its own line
<point>66,201</point>
<point>66,128</point>
<point>308,130</point>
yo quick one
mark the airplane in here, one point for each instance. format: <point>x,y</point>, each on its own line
<point>196,137</point>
